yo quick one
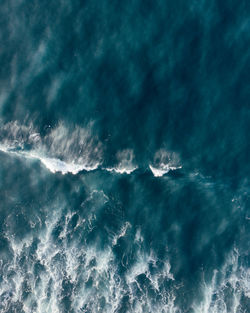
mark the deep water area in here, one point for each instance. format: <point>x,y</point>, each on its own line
<point>124,156</point>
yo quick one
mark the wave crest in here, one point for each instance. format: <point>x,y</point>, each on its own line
<point>164,161</point>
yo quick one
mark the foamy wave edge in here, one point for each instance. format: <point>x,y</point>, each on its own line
<point>159,172</point>
<point>55,165</point>
<point>123,170</point>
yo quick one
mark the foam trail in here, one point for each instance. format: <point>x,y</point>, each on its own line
<point>57,165</point>
<point>52,164</point>
<point>62,150</point>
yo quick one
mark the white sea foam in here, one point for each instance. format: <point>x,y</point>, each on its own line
<point>164,161</point>
<point>68,150</point>
<point>3,148</point>
<point>61,150</point>
<point>15,136</point>
<point>163,169</point>
<point>56,165</point>
<point>92,272</point>
<point>52,164</point>
<point>142,267</point>
<point>121,170</point>
<point>125,162</point>
<point>226,289</point>
<point>121,234</point>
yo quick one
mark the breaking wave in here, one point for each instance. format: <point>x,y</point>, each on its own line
<point>164,161</point>
<point>72,151</point>
<point>45,271</point>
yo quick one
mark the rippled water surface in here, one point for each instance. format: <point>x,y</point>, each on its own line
<point>124,156</point>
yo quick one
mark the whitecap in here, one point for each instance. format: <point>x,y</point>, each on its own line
<point>52,164</point>
<point>125,162</point>
<point>63,149</point>
<point>56,165</point>
<point>164,162</point>
<point>164,169</point>
<point>121,170</point>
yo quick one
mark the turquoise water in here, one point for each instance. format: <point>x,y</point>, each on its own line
<point>124,156</point>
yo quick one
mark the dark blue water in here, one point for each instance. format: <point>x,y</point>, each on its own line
<point>124,156</point>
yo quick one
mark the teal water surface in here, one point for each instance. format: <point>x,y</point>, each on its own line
<point>124,156</point>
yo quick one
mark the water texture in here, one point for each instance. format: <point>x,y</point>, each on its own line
<point>124,156</point>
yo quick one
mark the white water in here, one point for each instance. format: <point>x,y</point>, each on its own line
<point>164,161</point>
<point>163,169</point>
<point>223,294</point>
<point>92,273</point>
<point>61,150</point>
<point>67,150</point>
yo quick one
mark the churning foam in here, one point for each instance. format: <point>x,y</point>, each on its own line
<point>68,150</point>
<point>164,161</point>
<point>125,162</point>
<point>52,164</point>
<point>122,170</point>
<point>229,285</point>
<point>91,273</point>
<point>163,169</point>
<point>56,165</point>
<point>61,150</point>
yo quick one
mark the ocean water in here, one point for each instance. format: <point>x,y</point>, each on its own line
<point>124,156</point>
